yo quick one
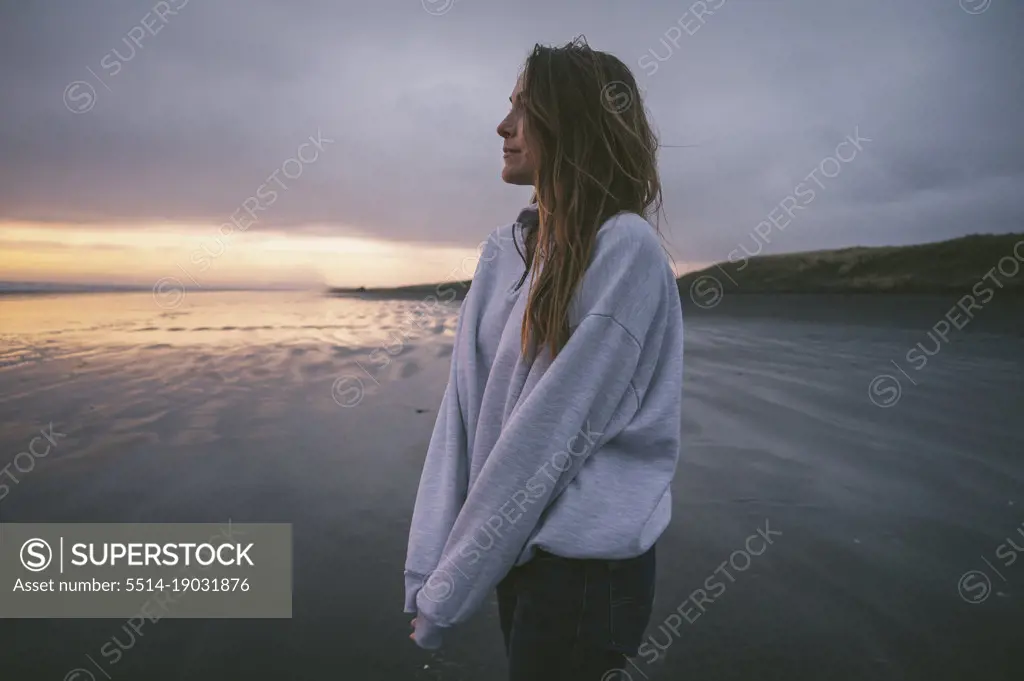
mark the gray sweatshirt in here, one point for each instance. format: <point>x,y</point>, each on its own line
<point>573,455</point>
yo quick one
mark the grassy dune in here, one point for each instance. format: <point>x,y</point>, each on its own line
<point>941,267</point>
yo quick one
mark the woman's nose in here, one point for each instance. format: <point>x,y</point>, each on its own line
<point>504,129</point>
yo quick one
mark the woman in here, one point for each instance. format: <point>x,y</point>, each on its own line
<point>548,471</point>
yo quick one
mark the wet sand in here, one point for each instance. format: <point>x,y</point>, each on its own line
<point>247,407</point>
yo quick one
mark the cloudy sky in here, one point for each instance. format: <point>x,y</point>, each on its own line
<point>132,130</point>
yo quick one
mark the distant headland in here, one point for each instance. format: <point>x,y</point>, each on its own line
<point>931,268</point>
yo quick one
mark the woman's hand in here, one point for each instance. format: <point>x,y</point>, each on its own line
<point>430,635</point>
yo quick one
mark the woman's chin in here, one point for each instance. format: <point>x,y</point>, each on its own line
<point>515,176</point>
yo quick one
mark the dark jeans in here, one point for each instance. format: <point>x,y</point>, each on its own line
<point>575,620</point>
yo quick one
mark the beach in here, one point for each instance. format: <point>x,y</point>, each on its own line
<point>840,511</point>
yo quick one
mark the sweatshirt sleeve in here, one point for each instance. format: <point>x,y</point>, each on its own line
<point>442,488</point>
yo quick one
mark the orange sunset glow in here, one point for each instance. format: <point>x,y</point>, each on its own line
<point>201,256</point>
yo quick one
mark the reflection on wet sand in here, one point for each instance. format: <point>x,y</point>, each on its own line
<point>292,407</point>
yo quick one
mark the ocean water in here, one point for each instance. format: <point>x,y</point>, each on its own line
<point>888,490</point>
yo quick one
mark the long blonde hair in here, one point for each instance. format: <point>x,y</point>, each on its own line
<point>595,152</point>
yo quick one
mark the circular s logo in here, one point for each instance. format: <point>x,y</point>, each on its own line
<point>36,555</point>
<point>347,391</point>
<point>439,586</point>
<point>706,292</point>
<point>168,293</point>
<point>616,97</point>
<point>884,391</point>
<point>79,97</point>
<point>974,586</point>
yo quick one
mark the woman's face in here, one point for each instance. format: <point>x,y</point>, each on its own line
<point>518,168</point>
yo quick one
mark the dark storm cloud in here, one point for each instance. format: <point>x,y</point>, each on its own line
<point>198,102</point>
